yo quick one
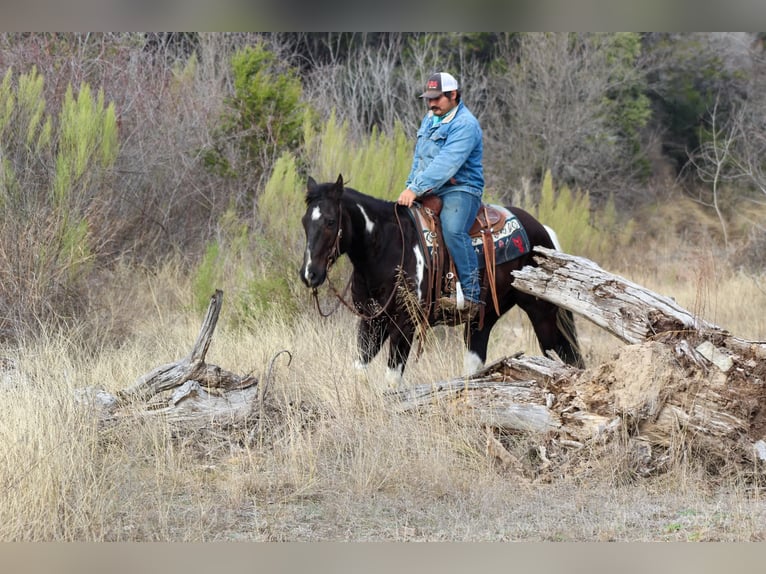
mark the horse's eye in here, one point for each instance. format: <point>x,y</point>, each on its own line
<point>330,223</point>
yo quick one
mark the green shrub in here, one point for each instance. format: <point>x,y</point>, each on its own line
<point>378,165</point>
<point>207,277</point>
<point>87,143</point>
<point>280,205</point>
<point>253,271</point>
<point>270,293</point>
<point>263,119</point>
<point>55,173</point>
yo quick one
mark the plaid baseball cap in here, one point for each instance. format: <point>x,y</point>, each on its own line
<point>439,83</point>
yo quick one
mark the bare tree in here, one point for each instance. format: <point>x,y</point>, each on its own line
<point>362,89</point>
<point>378,85</point>
<point>549,112</point>
<point>749,125</point>
<point>713,160</point>
<point>730,160</point>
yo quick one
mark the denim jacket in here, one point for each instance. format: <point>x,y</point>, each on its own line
<point>448,156</point>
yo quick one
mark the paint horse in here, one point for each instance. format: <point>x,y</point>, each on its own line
<point>383,242</point>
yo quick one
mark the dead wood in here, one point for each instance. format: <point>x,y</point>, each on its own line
<point>202,393</point>
<point>625,309</point>
<point>680,383</point>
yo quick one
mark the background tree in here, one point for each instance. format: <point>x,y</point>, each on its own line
<point>729,159</point>
<point>263,118</point>
<point>569,103</point>
<point>374,82</point>
<point>692,73</point>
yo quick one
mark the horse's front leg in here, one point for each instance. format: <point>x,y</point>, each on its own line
<point>370,337</point>
<point>399,349</point>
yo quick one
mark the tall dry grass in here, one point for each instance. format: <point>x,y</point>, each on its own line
<point>331,460</point>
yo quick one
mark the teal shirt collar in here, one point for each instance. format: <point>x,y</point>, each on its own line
<point>436,120</point>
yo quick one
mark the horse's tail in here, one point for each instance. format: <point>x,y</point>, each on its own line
<point>554,238</point>
<point>569,348</point>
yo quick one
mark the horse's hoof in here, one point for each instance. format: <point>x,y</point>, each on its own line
<point>394,379</point>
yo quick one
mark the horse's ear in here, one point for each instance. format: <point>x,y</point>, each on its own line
<point>337,190</point>
<point>311,183</point>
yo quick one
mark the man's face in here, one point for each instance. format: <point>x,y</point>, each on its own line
<point>442,104</point>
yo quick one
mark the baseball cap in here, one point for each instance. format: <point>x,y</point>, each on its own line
<point>439,83</point>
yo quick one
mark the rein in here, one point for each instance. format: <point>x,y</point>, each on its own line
<point>342,296</point>
<point>334,254</point>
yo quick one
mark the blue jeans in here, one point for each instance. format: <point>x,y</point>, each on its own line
<point>459,209</point>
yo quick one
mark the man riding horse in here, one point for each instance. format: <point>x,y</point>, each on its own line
<point>447,163</point>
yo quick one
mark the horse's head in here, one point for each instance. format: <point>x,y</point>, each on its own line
<point>322,225</point>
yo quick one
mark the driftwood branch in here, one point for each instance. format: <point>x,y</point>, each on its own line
<point>627,310</point>
<point>190,368</point>
<point>516,393</point>
<point>201,392</point>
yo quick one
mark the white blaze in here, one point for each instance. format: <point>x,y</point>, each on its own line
<point>307,263</point>
<point>316,213</point>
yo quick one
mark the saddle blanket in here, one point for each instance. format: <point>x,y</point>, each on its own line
<point>510,241</point>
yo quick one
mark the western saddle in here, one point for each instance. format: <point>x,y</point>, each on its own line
<point>441,281</point>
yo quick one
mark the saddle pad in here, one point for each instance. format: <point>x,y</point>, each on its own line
<point>510,241</point>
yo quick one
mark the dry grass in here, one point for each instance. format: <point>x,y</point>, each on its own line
<point>332,461</point>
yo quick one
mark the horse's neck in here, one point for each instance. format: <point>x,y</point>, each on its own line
<point>358,240</point>
<point>371,236</point>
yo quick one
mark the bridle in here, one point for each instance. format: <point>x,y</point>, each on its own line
<point>334,255</point>
<point>332,258</point>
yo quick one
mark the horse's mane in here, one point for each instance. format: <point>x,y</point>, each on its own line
<point>349,193</point>
<point>316,193</point>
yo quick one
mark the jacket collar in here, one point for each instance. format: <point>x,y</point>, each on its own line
<point>450,116</point>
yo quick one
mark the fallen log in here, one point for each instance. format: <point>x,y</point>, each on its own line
<point>517,393</point>
<point>625,309</point>
<point>679,383</point>
<point>629,311</point>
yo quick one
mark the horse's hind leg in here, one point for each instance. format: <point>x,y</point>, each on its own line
<point>568,347</point>
<point>554,328</point>
<point>477,342</point>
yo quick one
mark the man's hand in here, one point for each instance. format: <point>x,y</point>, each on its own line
<point>406,198</point>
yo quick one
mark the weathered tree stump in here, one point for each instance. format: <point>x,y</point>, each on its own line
<point>202,393</point>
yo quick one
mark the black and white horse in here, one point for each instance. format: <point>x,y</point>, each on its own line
<point>382,242</point>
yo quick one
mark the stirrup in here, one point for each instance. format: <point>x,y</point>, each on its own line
<point>448,305</point>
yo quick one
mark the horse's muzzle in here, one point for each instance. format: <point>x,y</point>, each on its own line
<point>313,278</point>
